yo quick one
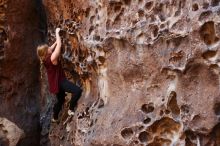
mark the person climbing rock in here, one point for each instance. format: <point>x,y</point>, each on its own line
<point>58,83</point>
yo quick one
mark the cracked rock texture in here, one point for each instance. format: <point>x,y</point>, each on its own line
<point>149,69</point>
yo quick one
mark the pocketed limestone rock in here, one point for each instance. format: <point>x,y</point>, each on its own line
<point>149,70</point>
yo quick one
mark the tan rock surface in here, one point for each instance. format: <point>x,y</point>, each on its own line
<point>150,71</point>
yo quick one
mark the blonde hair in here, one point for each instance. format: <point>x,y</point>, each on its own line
<point>42,52</point>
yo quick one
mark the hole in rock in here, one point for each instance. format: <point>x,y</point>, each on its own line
<point>147,108</point>
<point>195,7</point>
<point>177,41</point>
<point>162,17</point>
<point>217,108</point>
<point>182,3</point>
<point>117,8</point>
<point>87,12</point>
<point>91,29</point>
<point>97,37</point>
<point>215,3</point>
<point>159,8</point>
<point>100,6</point>
<point>177,13</point>
<point>101,59</point>
<point>213,67</point>
<point>143,136</point>
<point>164,127</point>
<point>141,13</point>
<point>147,120</point>
<point>162,26</point>
<point>152,18</point>
<point>196,119</point>
<point>161,113</point>
<point>184,108</point>
<point>63,33</point>
<point>209,54</point>
<point>108,23</point>
<point>141,127</point>
<point>191,135</point>
<point>149,5</point>
<point>101,103</point>
<point>155,31</point>
<point>205,15</point>
<point>117,19</point>
<point>91,19</point>
<point>167,111</point>
<point>127,133</point>
<point>127,2</point>
<point>87,111</point>
<point>207,33</point>
<point>205,5</point>
<point>136,142</point>
<point>188,142</point>
<point>173,103</point>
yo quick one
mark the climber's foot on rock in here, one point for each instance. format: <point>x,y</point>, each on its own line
<point>70,112</point>
<point>54,120</point>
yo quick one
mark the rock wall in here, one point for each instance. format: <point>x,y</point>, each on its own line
<point>22,28</point>
<point>10,134</point>
<point>149,69</point>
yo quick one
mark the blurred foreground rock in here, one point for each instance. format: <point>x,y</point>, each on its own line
<point>10,134</point>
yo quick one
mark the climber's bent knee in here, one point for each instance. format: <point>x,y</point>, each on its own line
<point>68,86</point>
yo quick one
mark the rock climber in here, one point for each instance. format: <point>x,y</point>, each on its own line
<point>58,83</point>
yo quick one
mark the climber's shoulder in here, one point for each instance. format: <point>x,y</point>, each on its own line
<point>47,60</point>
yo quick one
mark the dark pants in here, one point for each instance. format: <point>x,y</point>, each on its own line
<point>66,86</point>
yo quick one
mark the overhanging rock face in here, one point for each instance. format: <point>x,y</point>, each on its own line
<point>150,71</point>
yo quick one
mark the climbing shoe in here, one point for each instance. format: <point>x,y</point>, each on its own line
<point>54,120</point>
<point>70,113</point>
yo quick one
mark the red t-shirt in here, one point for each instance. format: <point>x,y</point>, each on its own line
<point>55,74</point>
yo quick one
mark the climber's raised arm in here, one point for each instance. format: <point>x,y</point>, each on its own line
<point>52,47</point>
<point>56,53</point>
